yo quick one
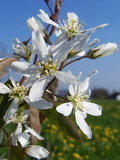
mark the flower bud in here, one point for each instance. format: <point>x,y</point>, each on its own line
<point>102,50</point>
<point>36,151</point>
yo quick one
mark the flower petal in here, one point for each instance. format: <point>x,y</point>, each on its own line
<point>83,86</point>
<point>37,89</point>
<point>15,134</point>
<point>56,46</point>
<point>65,108</point>
<point>11,78</point>
<point>81,54</point>
<point>92,108</point>
<point>36,151</point>
<point>24,67</point>
<point>58,32</point>
<point>26,113</point>
<point>82,124</point>
<point>31,131</point>
<point>95,28</point>
<point>66,77</point>
<point>45,18</point>
<point>18,129</point>
<point>34,24</point>
<point>41,104</point>
<point>4,89</point>
<point>82,41</point>
<point>72,89</point>
<point>72,16</point>
<point>64,50</point>
<point>23,138</point>
<point>11,110</point>
<point>39,45</point>
<point>91,44</point>
<point>18,48</point>
<point>30,80</point>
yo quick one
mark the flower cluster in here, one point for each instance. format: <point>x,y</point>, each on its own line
<point>71,44</point>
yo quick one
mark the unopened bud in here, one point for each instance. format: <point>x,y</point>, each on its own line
<point>102,50</point>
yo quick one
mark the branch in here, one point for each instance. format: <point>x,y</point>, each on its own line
<point>54,16</point>
<point>47,3</point>
<point>77,59</point>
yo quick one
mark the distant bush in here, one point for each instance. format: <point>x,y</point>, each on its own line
<point>99,93</point>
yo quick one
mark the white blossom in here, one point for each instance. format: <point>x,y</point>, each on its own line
<point>18,93</point>
<point>24,139</point>
<point>21,118</point>
<point>46,69</point>
<point>21,50</point>
<point>78,102</point>
<point>72,26</point>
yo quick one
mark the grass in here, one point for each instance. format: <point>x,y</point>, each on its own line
<point>104,145</point>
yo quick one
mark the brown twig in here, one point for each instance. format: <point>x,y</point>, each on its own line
<point>50,83</point>
<point>35,59</point>
<point>48,5</point>
<point>58,96</point>
<point>1,146</point>
<point>54,16</point>
<point>26,42</point>
<point>77,59</point>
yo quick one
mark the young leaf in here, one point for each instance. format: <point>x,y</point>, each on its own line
<point>17,153</point>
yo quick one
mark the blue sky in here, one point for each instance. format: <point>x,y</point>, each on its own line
<point>14,13</point>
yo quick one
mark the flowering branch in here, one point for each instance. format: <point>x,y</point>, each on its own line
<point>27,97</point>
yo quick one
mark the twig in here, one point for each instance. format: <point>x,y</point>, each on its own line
<point>1,146</point>
<point>54,16</point>
<point>57,96</point>
<point>35,59</point>
<point>77,59</point>
<point>47,3</point>
<point>50,83</point>
<point>26,42</point>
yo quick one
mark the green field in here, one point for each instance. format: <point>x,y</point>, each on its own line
<point>105,144</point>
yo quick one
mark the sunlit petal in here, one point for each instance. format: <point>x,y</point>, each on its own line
<point>37,89</point>
<point>4,89</point>
<point>11,110</point>
<point>92,108</point>
<point>24,67</point>
<point>45,18</point>
<point>39,45</point>
<point>41,104</point>
<point>66,77</point>
<point>31,131</point>
<point>82,124</point>
<point>65,108</point>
